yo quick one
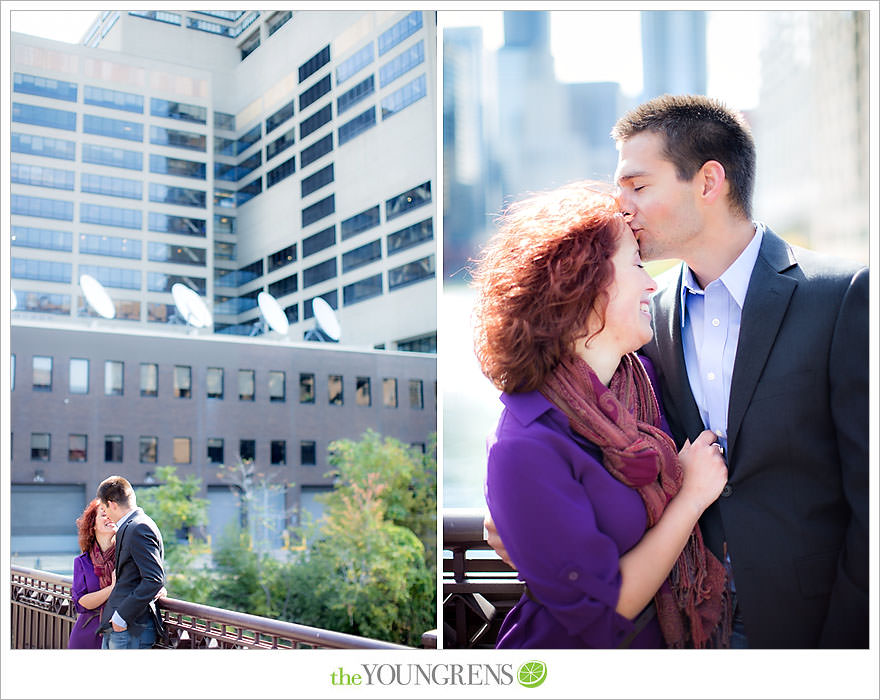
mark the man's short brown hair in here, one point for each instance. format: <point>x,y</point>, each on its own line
<point>116,489</point>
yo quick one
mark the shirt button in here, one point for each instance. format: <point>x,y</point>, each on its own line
<point>716,322</point>
<point>572,575</point>
<point>710,376</point>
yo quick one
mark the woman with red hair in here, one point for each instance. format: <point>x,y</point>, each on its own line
<point>591,501</point>
<point>94,575</point>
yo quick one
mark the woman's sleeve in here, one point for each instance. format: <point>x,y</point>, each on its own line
<point>79,587</point>
<point>548,526</point>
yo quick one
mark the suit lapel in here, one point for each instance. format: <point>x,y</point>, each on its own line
<point>766,302</point>
<point>120,537</point>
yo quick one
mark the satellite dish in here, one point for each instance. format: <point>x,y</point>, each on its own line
<point>326,319</point>
<point>273,314</point>
<point>97,296</point>
<point>190,306</point>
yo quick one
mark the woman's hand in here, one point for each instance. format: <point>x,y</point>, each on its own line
<point>705,471</point>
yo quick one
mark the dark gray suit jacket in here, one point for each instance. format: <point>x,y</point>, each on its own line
<point>795,511</point>
<point>139,574</point>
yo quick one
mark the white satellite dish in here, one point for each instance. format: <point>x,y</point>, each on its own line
<point>272,312</point>
<point>326,318</point>
<point>190,306</point>
<point>97,296</point>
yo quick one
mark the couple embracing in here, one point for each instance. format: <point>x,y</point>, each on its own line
<point>688,467</point>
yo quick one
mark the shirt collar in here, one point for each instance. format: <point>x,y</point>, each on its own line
<point>125,518</point>
<point>735,278</point>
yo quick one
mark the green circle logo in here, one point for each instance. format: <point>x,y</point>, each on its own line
<point>531,674</point>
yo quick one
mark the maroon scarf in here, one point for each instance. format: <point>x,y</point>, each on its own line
<point>104,562</point>
<point>623,420</point>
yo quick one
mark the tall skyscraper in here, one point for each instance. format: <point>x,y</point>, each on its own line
<point>673,52</point>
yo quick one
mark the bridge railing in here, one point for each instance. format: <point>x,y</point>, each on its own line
<point>43,615</point>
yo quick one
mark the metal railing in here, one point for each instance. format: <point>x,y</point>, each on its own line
<point>479,589</point>
<point>43,615</point>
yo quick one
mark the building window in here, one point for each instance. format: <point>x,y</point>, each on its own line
<point>111,186</point>
<point>114,99</point>
<point>177,166</point>
<point>406,27</point>
<point>278,452</point>
<point>180,254</point>
<point>410,236</point>
<point>362,391</point>
<point>307,453</point>
<point>320,148</point>
<point>282,287</point>
<point>411,199</point>
<point>224,121</point>
<point>40,443</point>
<point>249,191</point>
<point>191,140</point>
<point>43,303</point>
<point>113,128</point>
<point>275,22</point>
<point>318,210</point>
<point>181,111</point>
<point>361,58</point>
<point>315,182</point>
<point>424,343</point>
<point>314,64</point>
<point>362,289</point>
<point>246,385</point>
<point>149,379</point>
<point>281,116</point>
<point>183,225</point>
<point>360,222</point>
<point>114,157</point>
<point>284,141</point>
<point>214,382</point>
<point>44,87</point>
<point>411,272</point>
<point>165,194</point>
<point>40,176</point>
<point>307,388</point>
<point>215,450</point>
<point>182,382</point>
<point>401,99</point>
<point>46,116</point>
<point>416,396</point>
<point>79,376</point>
<point>389,392</point>
<point>404,62</point>
<point>330,297</point>
<point>182,450</point>
<point>77,448</point>
<point>361,256</point>
<point>334,389</point>
<point>355,94</point>
<point>111,246</point>
<point>276,175</point>
<point>319,241</point>
<point>316,121</point>
<point>148,450</point>
<point>121,278</point>
<point>283,257</point>
<point>247,449</point>
<point>110,216</point>
<point>42,207</point>
<point>43,238</point>
<point>46,270</point>
<point>363,121</point>
<point>113,378</point>
<point>112,448</point>
<point>277,391</point>
<point>320,272</point>
<point>43,146</point>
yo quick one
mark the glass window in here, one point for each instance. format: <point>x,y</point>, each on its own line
<point>114,157</point>
<point>184,255</point>
<point>161,136</point>
<point>77,448</point>
<point>362,391</point>
<point>274,23</point>
<point>307,388</point>
<point>278,452</point>
<point>410,236</point>
<point>111,246</point>
<point>279,144</point>
<point>248,139</point>
<point>224,224</point>
<point>215,450</point>
<point>416,396</point>
<point>214,381</point>
<point>314,93</point>
<point>43,146</point>
<point>182,382</point>
<point>46,239</point>
<point>334,388</point>
<point>284,170</point>
<point>160,282</point>
<point>182,448</point>
<point>320,272</point>
<point>112,448</point>
<point>316,121</point>
<point>177,195</point>
<point>358,125</point>
<point>249,191</point>
<point>362,255</point>
<point>319,241</point>
<point>292,312</point>
<point>362,90</point>
<point>44,116</point>
<point>110,216</point>
<point>400,99</point>
<point>177,166</point>
<point>46,270</point>
<point>41,176</point>
<point>180,111</point>
<point>315,63</point>
<point>320,179</point>
<point>350,66</point>
<point>283,257</point>
<point>318,210</point>
<point>406,27</point>
<point>185,225</point>
<point>247,449</point>
<point>113,378</point>
<point>320,148</point>
<point>246,385</point>
<point>43,303</point>
<point>389,392</point>
<point>411,199</point>
<point>224,121</point>
<point>361,290</point>
<point>424,343</point>
<point>404,62</point>
<point>41,207</point>
<point>113,276</point>
<point>40,445</point>
<point>114,128</point>
<point>79,376</point>
<point>277,390</point>
<point>281,116</point>
<point>284,286</point>
<point>148,450</point>
<point>42,373</point>
<point>248,165</point>
<point>360,222</point>
<point>330,297</point>
<point>111,186</point>
<point>149,379</point>
<point>114,99</point>
<point>249,45</point>
<point>157,16</point>
<point>307,453</point>
<point>44,87</point>
<point>411,272</point>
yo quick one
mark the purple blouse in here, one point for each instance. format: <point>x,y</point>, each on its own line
<point>84,634</point>
<point>565,522</point>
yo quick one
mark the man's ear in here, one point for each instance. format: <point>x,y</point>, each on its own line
<point>713,179</point>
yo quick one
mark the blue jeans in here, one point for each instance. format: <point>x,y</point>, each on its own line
<point>738,638</point>
<point>123,640</point>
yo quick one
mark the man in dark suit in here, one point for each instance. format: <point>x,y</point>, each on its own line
<point>767,345</point>
<point>130,619</point>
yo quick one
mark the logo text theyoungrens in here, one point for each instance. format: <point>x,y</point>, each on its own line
<point>425,674</point>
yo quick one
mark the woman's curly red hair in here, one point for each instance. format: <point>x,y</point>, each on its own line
<point>85,525</point>
<point>538,280</point>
